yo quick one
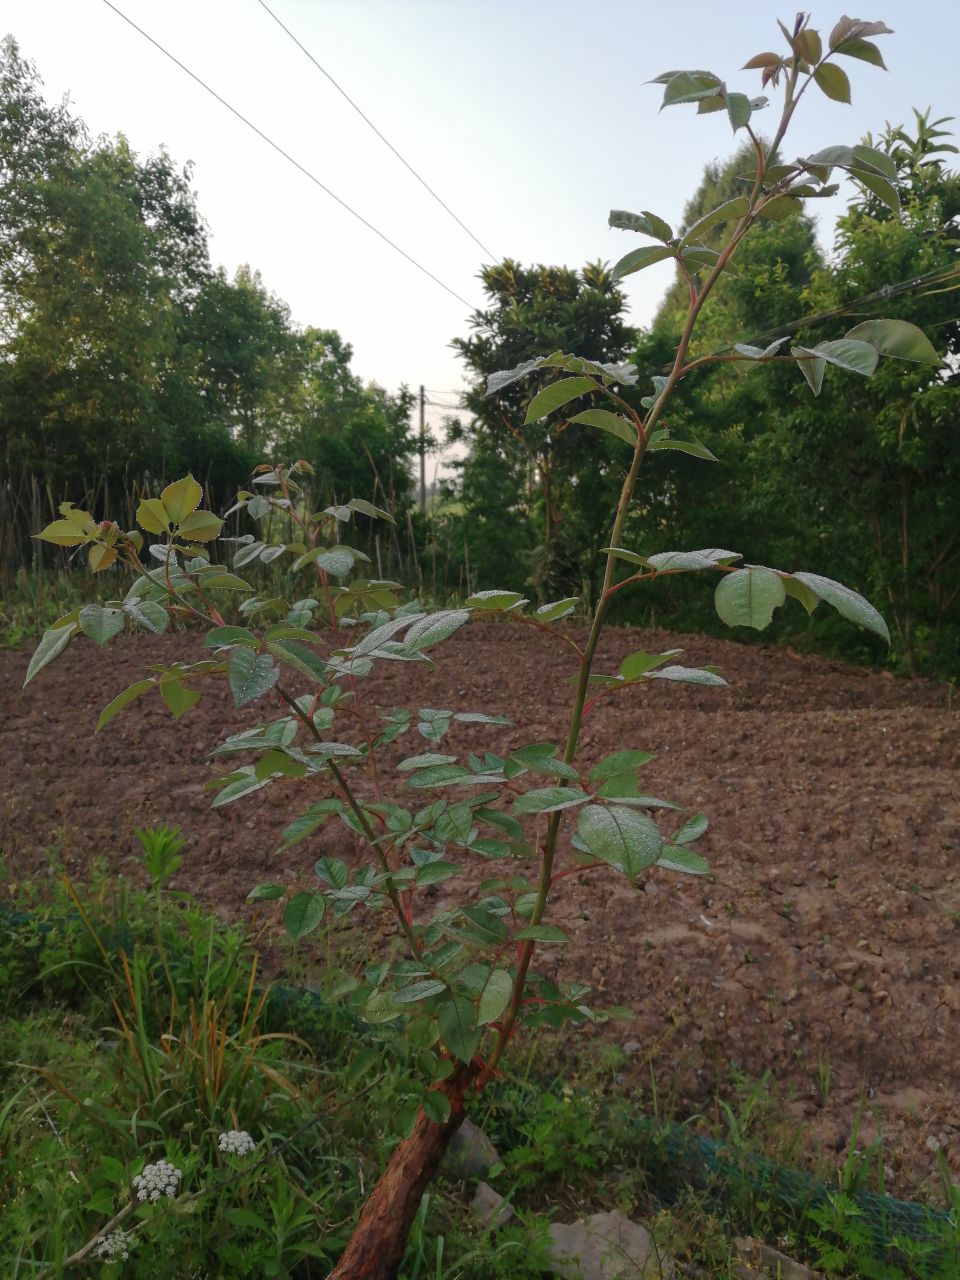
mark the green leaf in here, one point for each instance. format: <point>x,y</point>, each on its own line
<point>541,933</point>
<point>692,447</point>
<point>647,223</point>
<point>177,696</point>
<point>833,81</point>
<point>556,395</point>
<point>692,829</point>
<point>302,658</point>
<point>152,516</point>
<point>688,675</point>
<point>677,561</point>
<point>218,637</point>
<point>250,675</point>
<point>494,600</point>
<point>147,614</point>
<point>310,820</point>
<point>368,509</point>
<point>809,46</point>
<point>437,1106</point>
<point>434,628</point>
<point>738,110</point>
<point>100,624</point>
<point>730,211</point>
<point>201,526</point>
<point>689,86</point>
<point>812,368</point>
<point>542,757</point>
<point>865,50</point>
<point>495,996</point>
<point>425,761</point>
<point>332,871</point>
<point>620,762</point>
<point>121,700</point>
<point>503,378</point>
<point>847,603</point>
<point>418,991</point>
<point>52,644</point>
<point>620,553</point>
<point>638,259</point>
<point>896,338</point>
<point>748,597</point>
<point>266,893</point>
<point>181,499</point>
<point>458,1028</point>
<point>557,609</point>
<point>780,207</point>
<point>620,836</point>
<point>846,353</point>
<point>617,425</point>
<point>797,591</point>
<point>549,799</point>
<point>676,858</point>
<point>303,913</point>
<point>62,533</point>
<point>854,28</point>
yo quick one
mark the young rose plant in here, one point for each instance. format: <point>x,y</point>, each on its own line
<point>464,980</point>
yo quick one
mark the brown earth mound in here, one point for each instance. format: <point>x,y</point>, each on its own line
<point>824,947</point>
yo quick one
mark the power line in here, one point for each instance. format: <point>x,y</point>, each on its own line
<point>286,155</point>
<point>363,116</point>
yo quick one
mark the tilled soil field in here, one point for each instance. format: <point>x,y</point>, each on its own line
<point>824,949</point>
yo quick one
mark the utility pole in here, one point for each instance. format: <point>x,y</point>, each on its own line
<point>423,455</point>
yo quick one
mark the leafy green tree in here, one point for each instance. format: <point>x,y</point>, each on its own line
<point>534,311</point>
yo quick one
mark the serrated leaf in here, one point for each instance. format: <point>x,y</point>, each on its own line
<point>300,657</point>
<point>418,991</point>
<point>493,600</point>
<point>309,821</point>
<point>780,207</point>
<point>896,338</point>
<point>177,696</point>
<point>848,603</point>
<point>854,29</point>
<point>541,933</point>
<point>220,637</point>
<point>693,447</point>
<point>250,675</point>
<point>368,509</point>
<point>62,533</point>
<point>266,893</point>
<point>52,644</point>
<point>646,223</point>
<point>495,996</point>
<point>692,829</point>
<point>542,757</point>
<point>689,86</point>
<point>201,526</point>
<point>557,609</point>
<point>122,700</point>
<point>548,800</point>
<point>676,858</point>
<point>849,354</point>
<point>434,628</point>
<point>100,624</point>
<point>797,591</point>
<point>812,368</point>
<point>556,395</point>
<point>456,1019</point>
<point>303,913</point>
<point>505,377</point>
<point>152,516</point>
<point>638,259</point>
<point>748,597</point>
<point>865,50</point>
<point>833,80</point>
<point>738,110</point>
<point>625,839</point>
<point>688,675</point>
<point>680,561</point>
<point>729,211</point>
<point>424,761</point>
<point>614,423</point>
<point>181,499</point>
<point>147,614</point>
<point>880,187</point>
<point>620,762</point>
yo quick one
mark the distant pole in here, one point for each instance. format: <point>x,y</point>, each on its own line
<point>423,454</point>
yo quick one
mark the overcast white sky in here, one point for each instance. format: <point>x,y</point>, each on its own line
<point>529,117</point>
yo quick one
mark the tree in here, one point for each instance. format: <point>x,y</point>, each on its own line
<point>534,311</point>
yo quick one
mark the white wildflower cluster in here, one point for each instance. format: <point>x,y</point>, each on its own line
<point>115,1247</point>
<point>237,1142</point>
<point>160,1179</point>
